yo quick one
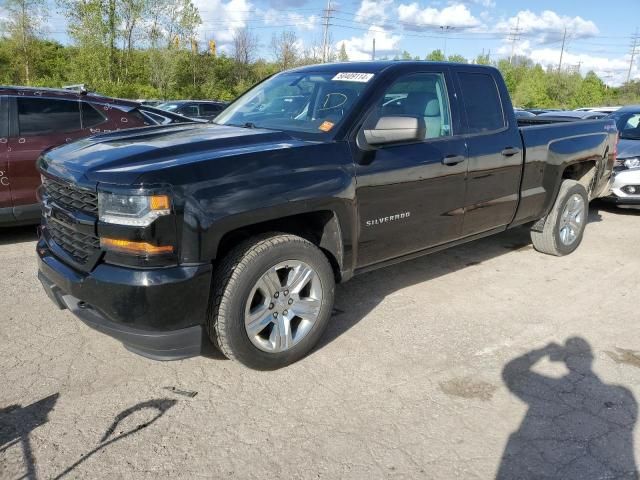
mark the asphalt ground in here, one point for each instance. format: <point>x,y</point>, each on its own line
<point>485,360</point>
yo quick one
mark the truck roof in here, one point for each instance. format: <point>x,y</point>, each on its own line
<point>378,66</point>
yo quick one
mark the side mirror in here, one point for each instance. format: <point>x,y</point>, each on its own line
<point>395,130</point>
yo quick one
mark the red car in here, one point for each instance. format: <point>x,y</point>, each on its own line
<point>35,119</point>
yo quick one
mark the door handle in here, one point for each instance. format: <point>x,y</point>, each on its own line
<point>510,151</point>
<point>453,159</point>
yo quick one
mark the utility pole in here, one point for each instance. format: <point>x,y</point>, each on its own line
<point>564,38</point>
<point>635,43</point>
<point>444,29</point>
<point>514,36</point>
<point>325,35</point>
<point>373,52</point>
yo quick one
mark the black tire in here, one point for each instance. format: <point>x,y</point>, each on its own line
<point>546,238</point>
<point>233,282</point>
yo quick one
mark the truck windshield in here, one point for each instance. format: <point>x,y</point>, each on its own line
<point>312,103</point>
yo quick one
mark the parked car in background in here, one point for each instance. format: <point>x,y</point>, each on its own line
<point>538,111</point>
<point>625,188</point>
<point>569,115</point>
<point>149,103</point>
<point>606,110</point>
<point>36,119</point>
<point>200,109</point>
<point>520,113</point>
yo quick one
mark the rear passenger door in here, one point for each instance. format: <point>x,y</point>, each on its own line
<point>494,149</point>
<point>6,212</point>
<point>42,123</point>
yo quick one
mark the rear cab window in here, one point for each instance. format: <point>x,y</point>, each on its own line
<point>38,116</point>
<point>482,102</point>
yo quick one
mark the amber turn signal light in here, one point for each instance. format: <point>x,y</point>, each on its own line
<point>159,202</point>
<point>132,247</point>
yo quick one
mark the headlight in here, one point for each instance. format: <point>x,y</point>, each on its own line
<point>134,210</point>
<point>632,162</point>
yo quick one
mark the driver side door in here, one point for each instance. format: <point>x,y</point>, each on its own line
<point>411,195</point>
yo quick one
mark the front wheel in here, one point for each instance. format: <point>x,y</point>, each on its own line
<point>564,226</point>
<point>273,299</point>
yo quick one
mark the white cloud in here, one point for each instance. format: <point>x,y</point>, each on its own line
<point>220,20</point>
<point>277,17</point>
<point>374,11</point>
<point>548,26</point>
<point>416,18</point>
<point>360,48</point>
<point>482,3</point>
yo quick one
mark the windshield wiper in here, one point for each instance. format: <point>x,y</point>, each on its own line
<point>249,125</point>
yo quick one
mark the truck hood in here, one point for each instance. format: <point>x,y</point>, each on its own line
<point>123,156</point>
<point>628,148</point>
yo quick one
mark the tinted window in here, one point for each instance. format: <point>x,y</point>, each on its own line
<point>210,108</point>
<point>421,95</point>
<point>482,102</point>
<point>91,116</point>
<point>42,115</point>
<point>190,111</point>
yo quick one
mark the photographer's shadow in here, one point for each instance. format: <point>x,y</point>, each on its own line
<point>576,427</point>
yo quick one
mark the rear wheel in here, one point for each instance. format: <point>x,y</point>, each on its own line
<point>564,226</point>
<point>273,299</point>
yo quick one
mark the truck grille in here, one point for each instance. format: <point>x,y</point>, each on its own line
<point>71,197</point>
<point>77,245</point>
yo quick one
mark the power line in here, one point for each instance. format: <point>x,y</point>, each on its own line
<point>564,38</point>
<point>325,37</point>
<point>635,43</point>
<point>514,36</point>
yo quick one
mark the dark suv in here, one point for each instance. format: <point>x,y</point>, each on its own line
<point>35,119</point>
<point>200,109</point>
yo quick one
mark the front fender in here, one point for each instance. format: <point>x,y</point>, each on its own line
<point>295,181</point>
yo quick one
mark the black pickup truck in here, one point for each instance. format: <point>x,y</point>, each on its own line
<point>236,232</point>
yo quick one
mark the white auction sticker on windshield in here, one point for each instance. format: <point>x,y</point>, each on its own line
<point>353,77</point>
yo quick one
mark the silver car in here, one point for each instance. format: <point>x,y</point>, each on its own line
<point>625,184</point>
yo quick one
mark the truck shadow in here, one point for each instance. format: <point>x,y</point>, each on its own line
<point>600,205</point>
<point>355,299</point>
<point>18,234</point>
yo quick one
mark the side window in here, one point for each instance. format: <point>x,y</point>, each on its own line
<point>38,116</point>
<point>91,116</point>
<point>422,95</point>
<point>190,111</point>
<point>481,102</point>
<point>210,108</point>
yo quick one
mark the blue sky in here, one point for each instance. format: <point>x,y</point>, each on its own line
<point>598,33</point>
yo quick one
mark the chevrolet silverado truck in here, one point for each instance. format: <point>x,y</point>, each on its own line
<point>236,233</point>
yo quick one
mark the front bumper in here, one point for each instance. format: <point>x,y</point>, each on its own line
<point>157,313</point>
<point>620,180</point>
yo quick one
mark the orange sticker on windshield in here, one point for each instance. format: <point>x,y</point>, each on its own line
<point>326,126</point>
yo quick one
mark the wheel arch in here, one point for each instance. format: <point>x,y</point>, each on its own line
<point>321,227</point>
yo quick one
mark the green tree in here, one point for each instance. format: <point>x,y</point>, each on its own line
<point>483,59</point>
<point>590,93</point>
<point>23,27</point>
<point>436,56</point>
<point>342,54</point>
<point>456,58</point>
